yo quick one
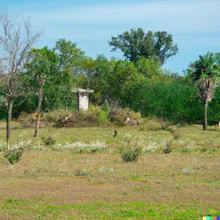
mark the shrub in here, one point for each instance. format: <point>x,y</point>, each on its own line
<point>82,172</point>
<point>118,116</point>
<point>130,154</point>
<point>54,116</point>
<point>48,141</point>
<point>94,116</point>
<point>167,147</point>
<point>131,151</point>
<point>150,125</point>
<point>14,155</point>
<point>26,120</point>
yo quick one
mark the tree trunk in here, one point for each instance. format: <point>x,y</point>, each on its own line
<point>40,99</point>
<point>8,130</point>
<point>205,121</point>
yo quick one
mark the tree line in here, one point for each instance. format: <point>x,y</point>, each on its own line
<point>41,79</point>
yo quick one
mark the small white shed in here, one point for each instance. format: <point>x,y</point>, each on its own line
<point>82,98</point>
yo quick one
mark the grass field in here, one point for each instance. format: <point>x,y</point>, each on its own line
<point>51,183</point>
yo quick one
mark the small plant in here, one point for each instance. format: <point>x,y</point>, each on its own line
<point>48,141</point>
<point>137,188</point>
<point>176,134</point>
<point>14,155</point>
<point>131,151</point>
<point>204,149</point>
<point>82,172</point>
<point>167,147</point>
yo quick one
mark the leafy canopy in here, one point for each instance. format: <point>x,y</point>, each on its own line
<point>207,65</point>
<point>136,43</point>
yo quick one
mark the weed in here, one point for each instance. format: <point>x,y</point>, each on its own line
<point>14,155</point>
<point>48,141</point>
<point>131,151</point>
<point>137,188</point>
<point>135,178</point>
<point>167,147</point>
<point>204,149</point>
<point>82,172</point>
<point>130,154</point>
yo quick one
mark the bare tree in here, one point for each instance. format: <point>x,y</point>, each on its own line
<point>16,40</point>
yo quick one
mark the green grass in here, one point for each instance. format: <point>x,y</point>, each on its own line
<point>65,185</point>
<point>37,209</point>
<point>189,139</point>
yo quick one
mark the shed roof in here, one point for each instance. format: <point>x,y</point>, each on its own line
<point>82,90</point>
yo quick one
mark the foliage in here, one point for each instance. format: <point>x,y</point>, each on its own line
<point>131,154</point>
<point>94,116</point>
<point>206,70</point>
<point>48,141</point>
<point>150,68</point>
<point>136,43</point>
<point>82,172</point>
<point>26,120</point>
<point>54,116</point>
<point>118,116</point>
<point>167,148</point>
<point>150,125</point>
<point>206,65</point>
<point>14,156</point>
<point>131,151</point>
<point>172,99</point>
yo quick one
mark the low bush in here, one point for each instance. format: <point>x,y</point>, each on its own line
<point>131,154</point>
<point>54,116</point>
<point>14,155</point>
<point>118,116</point>
<point>48,141</point>
<point>82,172</point>
<point>94,116</point>
<point>131,151</point>
<point>151,125</point>
<point>167,147</point>
<point>26,120</point>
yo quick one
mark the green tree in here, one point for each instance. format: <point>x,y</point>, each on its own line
<point>70,66</point>
<point>42,68</point>
<point>206,71</point>
<point>136,43</point>
<point>149,68</point>
<point>98,72</point>
<point>171,98</point>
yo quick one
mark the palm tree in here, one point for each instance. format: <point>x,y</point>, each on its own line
<point>205,71</point>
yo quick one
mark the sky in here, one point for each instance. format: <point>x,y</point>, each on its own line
<point>194,24</point>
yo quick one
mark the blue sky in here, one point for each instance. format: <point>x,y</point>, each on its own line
<point>194,24</point>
